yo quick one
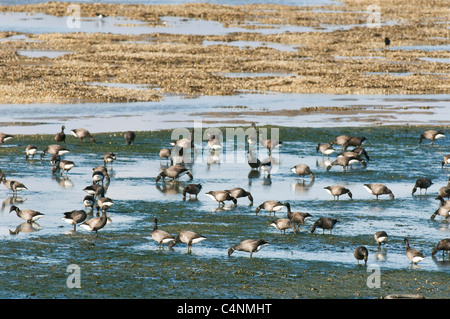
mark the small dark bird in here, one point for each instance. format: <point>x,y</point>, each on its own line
<point>192,189</point>
<point>324,223</point>
<point>129,137</point>
<point>421,183</point>
<point>361,253</point>
<point>248,245</point>
<point>387,41</point>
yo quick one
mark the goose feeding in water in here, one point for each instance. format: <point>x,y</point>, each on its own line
<point>302,170</point>
<point>30,151</point>
<point>414,255</point>
<point>297,218</point>
<point>361,253</point>
<point>431,135</point>
<point>15,186</point>
<point>378,189</point>
<point>324,223</point>
<point>248,245</point>
<point>75,217</point>
<point>174,172</point>
<point>160,236</point>
<point>189,238</point>
<point>28,215</point>
<point>221,197</point>
<point>422,183</point>
<point>82,133</point>
<point>270,206</point>
<point>338,190</point>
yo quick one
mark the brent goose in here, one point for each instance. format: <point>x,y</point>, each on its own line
<point>378,189</point>
<point>446,160</point>
<point>95,190</point>
<point>109,157</point>
<point>62,165</point>
<point>54,149</point>
<point>270,144</point>
<point>221,196</point>
<point>165,153</point>
<point>129,137</point>
<point>356,153</point>
<point>174,172</point>
<point>282,224</point>
<point>188,237</point>
<point>89,201</point>
<point>61,136</point>
<point>270,206</point>
<point>431,135</point>
<point>75,217</point>
<point>444,191</point>
<point>338,190</point>
<point>95,223</point>
<point>28,215</point>
<point>345,141</point>
<point>253,161</point>
<point>421,183</point>
<point>82,133</point>
<point>252,137</point>
<point>160,236</point>
<point>104,202</point>
<point>214,144</point>
<point>4,137</point>
<point>238,192</point>
<point>15,186</point>
<point>413,255</point>
<point>443,210</point>
<point>99,173</point>
<point>361,253</point>
<point>296,217</point>
<point>185,143</point>
<point>324,223</point>
<point>192,189</point>
<point>248,245</point>
<point>443,245</point>
<point>345,161</point>
<point>325,148</point>
<point>31,150</point>
<point>303,169</point>
<point>380,237</point>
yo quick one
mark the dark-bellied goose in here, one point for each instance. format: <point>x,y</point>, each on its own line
<point>192,189</point>
<point>5,137</point>
<point>345,161</point>
<point>270,206</point>
<point>95,190</point>
<point>361,152</point>
<point>325,149</point>
<point>443,245</point>
<point>160,236</point>
<point>61,136</point>
<point>248,245</point>
<point>15,186</point>
<point>446,160</point>
<point>174,172</point>
<point>378,189</point>
<point>270,144</point>
<point>356,141</point>
<point>62,165</point>
<point>422,183</point>
<point>75,217</point>
<point>253,161</point>
<point>361,253</point>
<point>188,237</point>
<point>324,223</point>
<point>28,215</point>
<point>297,218</point>
<point>380,237</point>
<point>96,223</point>
<point>89,201</point>
<point>54,149</point>
<point>282,224</point>
<point>303,169</point>
<point>431,135</point>
<point>238,192</point>
<point>413,255</point>
<point>109,157</point>
<point>129,137</point>
<point>221,196</point>
<point>31,150</point>
<point>82,133</point>
<point>338,190</point>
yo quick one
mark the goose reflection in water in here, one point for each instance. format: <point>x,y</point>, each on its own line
<point>12,200</point>
<point>26,227</point>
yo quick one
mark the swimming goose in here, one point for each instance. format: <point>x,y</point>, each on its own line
<point>174,172</point>
<point>248,245</point>
<point>378,189</point>
<point>413,255</point>
<point>431,135</point>
<point>345,161</point>
<point>188,237</point>
<point>82,133</point>
<point>54,149</point>
<point>221,196</point>
<point>282,224</point>
<point>75,217</point>
<point>31,150</point>
<point>4,137</point>
<point>160,236</point>
<point>61,136</point>
<point>192,189</point>
<point>446,160</point>
<point>15,186</point>
<point>324,223</point>
<point>270,144</point>
<point>109,157</point>
<point>361,253</point>
<point>303,169</point>
<point>270,206</point>
<point>296,217</point>
<point>129,137</point>
<point>443,245</point>
<point>62,165</point>
<point>95,223</point>
<point>380,237</point>
<point>238,192</point>
<point>28,215</point>
<point>338,190</point>
<point>325,149</point>
<point>421,183</point>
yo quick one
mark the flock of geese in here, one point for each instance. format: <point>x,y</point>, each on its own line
<point>96,193</point>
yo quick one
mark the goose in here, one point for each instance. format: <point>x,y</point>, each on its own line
<point>167,154</point>
<point>248,245</point>
<point>252,137</point>
<point>282,224</point>
<point>109,157</point>
<point>99,173</point>
<point>104,202</point>
<point>356,141</point>
<point>296,217</point>
<point>431,135</point>
<point>82,133</point>
<point>443,210</point>
<point>444,191</point>
<point>378,189</point>
<point>338,190</point>
<point>185,143</point>
<point>325,149</point>
<point>253,161</point>
<point>303,169</point>
<point>266,166</point>
<point>31,150</point>
<point>221,196</point>
<point>214,144</point>
<point>345,161</point>
<point>380,237</point>
<point>446,160</point>
<point>361,253</point>
<point>28,215</point>
<point>5,137</point>
<point>413,255</point>
<point>445,203</point>
<point>54,149</point>
<point>174,172</point>
<point>270,144</point>
<point>188,237</point>
<point>356,153</point>
<point>129,137</point>
<point>324,223</point>
<point>192,189</point>
<point>443,245</point>
<point>75,217</point>
<point>345,141</point>
<point>96,223</point>
<point>160,236</point>
<point>61,136</point>
<point>100,15</point>
<point>62,165</point>
<point>95,190</point>
<point>15,186</point>
<point>88,201</point>
<point>238,192</point>
<point>270,206</point>
<point>422,183</point>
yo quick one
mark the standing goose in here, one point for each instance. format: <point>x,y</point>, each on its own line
<point>356,141</point>
<point>95,190</point>
<point>443,245</point>
<point>95,223</point>
<point>252,137</point>
<point>99,173</point>
<point>378,189</point>
<point>444,191</point>
<point>248,245</point>
<point>270,206</point>
<point>15,186</point>
<point>380,237</point>
<point>325,149</point>
<point>338,190</point>
<point>174,172</point>
<point>360,151</point>
<point>361,253</point>
<point>282,224</point>
<point>28,215</point>
<point>431,135</point>
<point>446,160</point>
<point>62,165</point>
<point>75,217</point>
<point>214,144</point>
<point>296,217</point>
<point>129,137</point>
<point>341,140</point>
<point>89,201</point>
<point>270,144</point>
<point>167,154</point>
<point>221,196</point>
<point>61,136</point>
<point>421,183</point>
<point>253,161</point>
<point>443,210</point>
<point>345,161</point>
<point>109,157</point>
<point>160,236</point>
<point>5,137</point>
<point>303,169</point>
<point>192,189</point>
<point>188,237</point>
<point>413,255</point>
<point>104,203</point>
<point>324,223</point>
<point>54,149</point>
<point>82,133</point>
<point>238,192</point>
<point>31,150</point>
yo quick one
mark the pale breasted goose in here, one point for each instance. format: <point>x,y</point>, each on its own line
<point>443,210</point>
<point>129,137</point>
<point>446,160</point>
<point>422,183</point>
<point>62,165</point>
<point>104,202</point>
<point>248,245</point>
<point>89,201</point>
<point>380,237</point>
<point>99,174</point>
<point>282,224</point>
<point>160,236</point>
<point>96,223</point>
<point>28,215</point>
<point>303,169</point>
<point>431,135</point>
<point>167,154</point>
<point>192,189</point>
<point>185,143</point>
<point>238,192</point>
<point>325,149</point>
<point>338,190</point>
<point>30,151</point>
<point>75,217</point>
<point>378,189</point>
<point>324,223</point>
<point>270,144</point>
<point>15,186</point>
<point>221,197</point>
<point>174,172</point>
<point>443,245</point>
<point>414,255</point>
<point>82,133</point>
<point>345,161</point>
<point>109,157</point>
<point>297,218</point>
<point>361,253</point>
<point>54,149</point>
<point>5,137</point>
<point>188,237</point>
<point>270,206</point>
<point>61,136</point>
